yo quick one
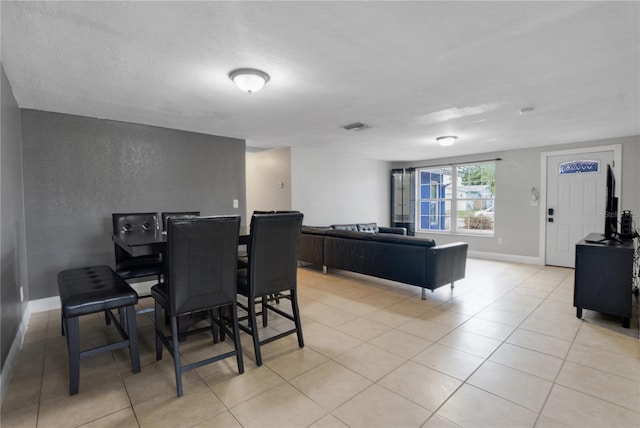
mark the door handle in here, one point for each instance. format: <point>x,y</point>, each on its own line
<point>550,210</point>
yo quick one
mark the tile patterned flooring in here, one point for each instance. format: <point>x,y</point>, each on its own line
<point>502,349</point>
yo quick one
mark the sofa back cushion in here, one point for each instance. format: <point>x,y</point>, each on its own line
<point>359,227</point>
<point>315,230</point>
<point>405,240</point>
<point>368,227</point>
<point>352,227</point>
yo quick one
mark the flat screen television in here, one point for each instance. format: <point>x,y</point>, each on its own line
<point>611,209</point>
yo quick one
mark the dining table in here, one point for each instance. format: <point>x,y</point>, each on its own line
<point>148,242</point>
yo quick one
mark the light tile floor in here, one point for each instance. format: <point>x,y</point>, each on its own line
<point>503,348</point>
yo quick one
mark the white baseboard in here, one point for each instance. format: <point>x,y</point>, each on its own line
<point>501,257</point>
<point>44,305</point>
<point>12,357</point>
<point>51,303</point>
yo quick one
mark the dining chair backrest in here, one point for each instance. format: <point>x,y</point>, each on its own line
<point>201,262</point>
<point>132,222</point>
<point>273,252</point>
<point>274,212</point>
<point>178,214</point>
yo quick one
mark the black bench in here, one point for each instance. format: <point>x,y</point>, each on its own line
<point>89,290</point>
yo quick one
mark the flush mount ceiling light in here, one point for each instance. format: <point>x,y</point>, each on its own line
<point>356,126</point>
<point>249,79</point>
<point>446,140</point>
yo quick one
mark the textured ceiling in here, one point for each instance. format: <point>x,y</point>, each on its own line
<point>411,70</point>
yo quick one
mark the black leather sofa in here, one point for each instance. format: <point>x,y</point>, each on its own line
<point>384,253</point>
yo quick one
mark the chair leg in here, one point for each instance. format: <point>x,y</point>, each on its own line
<point>254,329</point>
<point>214,325</point>
<point>159,317</point>
<point>221,315</point>
<point>265,315</point>
<point>295,310</point>
<point>134,352</point>
<point>176,355</point>
<point>107,318</point>
<point>236,338</point>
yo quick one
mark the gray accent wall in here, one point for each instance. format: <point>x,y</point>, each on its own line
<point>12,233</point>
<point>79,170</point>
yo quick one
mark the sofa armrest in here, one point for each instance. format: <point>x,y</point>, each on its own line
<point>395,230</point>
<point>445,264</point>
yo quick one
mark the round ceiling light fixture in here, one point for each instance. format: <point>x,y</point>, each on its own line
<point>249,79</point>
<point>446,140</point>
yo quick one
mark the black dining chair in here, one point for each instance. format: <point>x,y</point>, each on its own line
<point>200,276</point>
<point>243,254</point>
<point>272,271</point>
<point>129,267</point>
<point>177,214</point>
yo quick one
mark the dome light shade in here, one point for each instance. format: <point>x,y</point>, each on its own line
<point>249,79</point>
<point>446,140</point>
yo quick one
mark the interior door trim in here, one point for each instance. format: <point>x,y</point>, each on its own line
<point>617,171</point>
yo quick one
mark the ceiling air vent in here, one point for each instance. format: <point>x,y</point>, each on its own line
<point>356,126</point>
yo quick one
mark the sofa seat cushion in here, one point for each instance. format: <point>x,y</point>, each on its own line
<point>351,234</point>
<point>403,239</point>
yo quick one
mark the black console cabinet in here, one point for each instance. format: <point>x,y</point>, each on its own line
<point>603,277</point>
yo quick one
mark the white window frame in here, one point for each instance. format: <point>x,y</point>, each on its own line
<point>454,229</point>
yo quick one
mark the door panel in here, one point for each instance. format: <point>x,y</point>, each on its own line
<point>578,203</point>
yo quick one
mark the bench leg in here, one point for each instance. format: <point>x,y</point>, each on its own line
<point>424,294</point>
<point>453,284</point>
<point>132,330</point>
<point>73,345</point>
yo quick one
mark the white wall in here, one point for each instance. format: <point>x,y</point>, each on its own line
<point>268,175</point>
<point>518,223</point>
<point>332,188</point>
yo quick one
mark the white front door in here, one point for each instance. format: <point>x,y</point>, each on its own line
<point>576,187</point>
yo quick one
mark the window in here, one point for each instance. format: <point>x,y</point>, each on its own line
<point>457,198</point>
<point>435,198</point>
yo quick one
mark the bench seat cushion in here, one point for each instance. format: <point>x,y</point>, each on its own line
<point>93,289</point>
